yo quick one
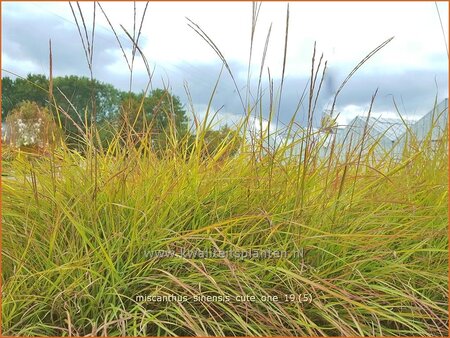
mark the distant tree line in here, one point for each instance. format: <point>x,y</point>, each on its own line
<point>79,97</point>
<point>75,99</point>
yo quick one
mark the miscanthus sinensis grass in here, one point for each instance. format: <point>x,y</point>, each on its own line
<point>357,244</point>
<point>369,251</point>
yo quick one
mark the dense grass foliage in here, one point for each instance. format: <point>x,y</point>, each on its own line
<point>354,244</point>
<point>366,241</point>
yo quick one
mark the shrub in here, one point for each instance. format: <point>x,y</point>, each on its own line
<point>31,126</point>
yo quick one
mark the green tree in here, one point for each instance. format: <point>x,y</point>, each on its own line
<point>156,112</point>
<point>225,135</point>
<point>165,108</point>
<point>73,95</point>
<point>32,88</point>
<point>7,96</point>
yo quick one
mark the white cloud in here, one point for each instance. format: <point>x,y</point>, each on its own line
<point>345,32</point>
<point>349,112</point>
<point>20,66</point>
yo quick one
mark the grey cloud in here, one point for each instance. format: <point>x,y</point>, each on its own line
<point>413,90</point>
<point>25,38</point>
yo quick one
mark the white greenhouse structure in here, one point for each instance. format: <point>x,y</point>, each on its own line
<point>383,135</point>
<point>375,135</point>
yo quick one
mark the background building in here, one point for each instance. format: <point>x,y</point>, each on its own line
<point>382,136</point>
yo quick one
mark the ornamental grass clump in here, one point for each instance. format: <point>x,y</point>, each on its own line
<point>251,237</point>
<point>351,254</point>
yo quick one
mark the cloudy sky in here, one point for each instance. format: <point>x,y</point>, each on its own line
<point>412,68</point>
